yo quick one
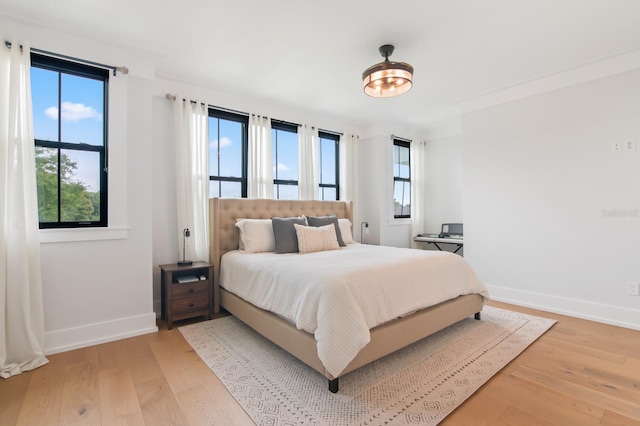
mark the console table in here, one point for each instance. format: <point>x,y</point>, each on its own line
<point>435,240</point>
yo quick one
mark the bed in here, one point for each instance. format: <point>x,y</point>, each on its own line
<point>383,339</point>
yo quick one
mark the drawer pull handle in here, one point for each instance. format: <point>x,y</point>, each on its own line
<point>190,305</point>
<point>190,290</point>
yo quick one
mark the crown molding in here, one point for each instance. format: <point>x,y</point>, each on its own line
<point>604,67</point>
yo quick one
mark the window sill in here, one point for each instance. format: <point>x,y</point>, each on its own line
<point>82,234</point>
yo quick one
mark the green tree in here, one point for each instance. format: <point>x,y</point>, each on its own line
<point>47,180</point>
<point>77,202</point>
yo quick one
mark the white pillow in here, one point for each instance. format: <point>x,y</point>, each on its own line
<point>345,230</point>
<point>316,238</point>
<point>256,235</point>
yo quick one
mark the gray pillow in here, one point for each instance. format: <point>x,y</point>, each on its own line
<point>285,233</point>
<point>326,220</point>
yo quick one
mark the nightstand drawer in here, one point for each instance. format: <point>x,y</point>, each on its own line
<point>191,304</point>
<point>191,289</point>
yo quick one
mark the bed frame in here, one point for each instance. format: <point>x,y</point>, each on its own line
<point>385,338</point>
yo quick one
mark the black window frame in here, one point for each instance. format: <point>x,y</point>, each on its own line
<point>336,138</point>
<point>405,144</point>
<point>285,127</point>
<point>278,126</point>
<point>244,120</point>
<point>62,66</point>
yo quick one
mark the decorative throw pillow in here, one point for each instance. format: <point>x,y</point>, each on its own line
<point>345,230</point>
<point>316,238</point>
<point>256,235</point>
<point>326,220</point>
<point>285,233</point>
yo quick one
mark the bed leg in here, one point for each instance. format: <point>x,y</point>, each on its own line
<point>477,316</point>
<point>333,385</point>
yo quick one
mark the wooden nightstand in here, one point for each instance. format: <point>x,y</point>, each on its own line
<point>187,291</point>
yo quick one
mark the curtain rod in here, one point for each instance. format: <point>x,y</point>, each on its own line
<point>171,97</point>
<point>399,138</point>
<point>121,69</point>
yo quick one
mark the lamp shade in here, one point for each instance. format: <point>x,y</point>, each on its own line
<point>387,78</point>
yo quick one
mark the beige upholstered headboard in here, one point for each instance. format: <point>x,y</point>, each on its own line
<point>223,213</point>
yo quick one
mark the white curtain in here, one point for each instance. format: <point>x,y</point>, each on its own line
<point>348,166</point>
<point>192,177</point>
<point>308,163</point>
<point>418,188</point>
<point>260,160</point>
<point>21,310</point>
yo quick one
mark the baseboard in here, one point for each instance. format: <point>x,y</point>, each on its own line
<point>607,314</point>
<point>94,334</point>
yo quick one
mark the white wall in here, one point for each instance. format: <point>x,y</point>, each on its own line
<point>444,190</point>
<point>375,167</point>
<point>369,191</point>
<point>539,179</point>
<point>166,247</point>
<point>97,284</point>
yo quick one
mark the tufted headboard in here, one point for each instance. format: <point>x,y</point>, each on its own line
<point>223,213</point>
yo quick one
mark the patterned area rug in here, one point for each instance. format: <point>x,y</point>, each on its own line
<point>419,384</point>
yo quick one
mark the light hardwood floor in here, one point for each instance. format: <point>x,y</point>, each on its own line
<point>578,373</point>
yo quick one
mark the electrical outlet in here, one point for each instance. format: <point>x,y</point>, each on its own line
<point>616,147</point>
<point>630,145</point>
<point>632,288</point>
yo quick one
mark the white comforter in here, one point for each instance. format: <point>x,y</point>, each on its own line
<point>339,295</point>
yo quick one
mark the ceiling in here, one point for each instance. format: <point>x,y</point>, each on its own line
<point>310,55</point>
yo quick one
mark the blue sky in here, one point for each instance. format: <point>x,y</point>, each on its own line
<point>81,112</point>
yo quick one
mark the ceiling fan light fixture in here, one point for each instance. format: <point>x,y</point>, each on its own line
<point>387,78</point>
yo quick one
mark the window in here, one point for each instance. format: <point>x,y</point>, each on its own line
<point>329,166</point>
<point>284,140</point>
<point>228,136</point>
<point>228,154</point>
<point>401,179</point>
<point>70,132</point>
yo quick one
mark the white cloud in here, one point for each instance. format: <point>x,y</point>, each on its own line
<point>51,112</point>
<point>282,167</point>
<point>223,142</point>
<point>73,112</point>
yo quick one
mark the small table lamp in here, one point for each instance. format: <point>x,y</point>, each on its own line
<point>366,225</point>
<point>185,234</point>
